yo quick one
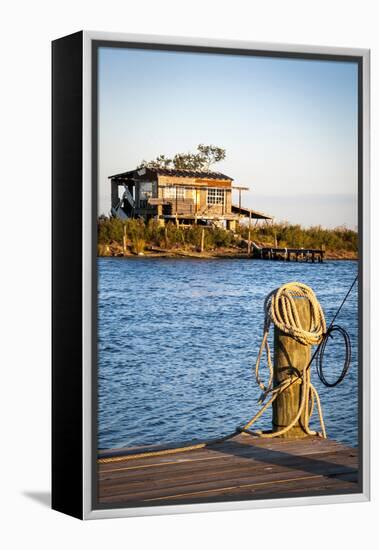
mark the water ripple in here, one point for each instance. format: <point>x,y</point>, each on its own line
<point>177,341</point>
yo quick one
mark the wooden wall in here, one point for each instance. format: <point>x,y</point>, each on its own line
<point>198,195</point>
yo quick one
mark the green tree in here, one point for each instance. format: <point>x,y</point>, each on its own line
<point>187,161</point>
<point>202,160</point>
<point>210,154</point>
<point>160,162</point>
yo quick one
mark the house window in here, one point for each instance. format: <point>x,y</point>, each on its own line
<point>173,192</point>
<point>145,190</point>
<point>215,196</point>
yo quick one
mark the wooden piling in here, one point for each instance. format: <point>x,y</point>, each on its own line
<point>124,240</point>
<point>202,241</point>
<point>290,359</point>
<point>249,236</point>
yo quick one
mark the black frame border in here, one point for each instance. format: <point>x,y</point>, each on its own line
<point>67,271</point>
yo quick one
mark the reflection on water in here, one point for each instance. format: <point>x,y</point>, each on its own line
<point>178,338</point>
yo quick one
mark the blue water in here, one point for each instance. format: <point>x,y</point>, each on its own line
<point>178,338</point>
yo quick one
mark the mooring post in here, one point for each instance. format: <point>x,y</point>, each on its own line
<point>290,359</point>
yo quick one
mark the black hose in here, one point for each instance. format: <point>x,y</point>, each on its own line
<point>320,367</point>
<point>319,358</point>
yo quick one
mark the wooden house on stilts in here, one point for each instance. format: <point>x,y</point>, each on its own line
<point>183,196</point>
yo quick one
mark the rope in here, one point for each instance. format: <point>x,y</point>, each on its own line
<point>330,328</point>
<point>320,356</point>
<point>149,454</point>
<point>280,309</point>
<point>165,452</point>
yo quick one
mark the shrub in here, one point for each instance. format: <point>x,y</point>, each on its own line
<point>110,229</point>
<point>138,245</point>
<point>154,234</point>
<point>220,237</point>
<point>175,235</point>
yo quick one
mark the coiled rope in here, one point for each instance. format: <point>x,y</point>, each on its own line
<point>280,309</point>
<point>336,329</point>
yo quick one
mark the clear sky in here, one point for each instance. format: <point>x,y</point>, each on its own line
<point>289,126</point>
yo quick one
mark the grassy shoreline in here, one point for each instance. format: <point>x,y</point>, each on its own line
<point>133,238</point>
<point>228,254</point>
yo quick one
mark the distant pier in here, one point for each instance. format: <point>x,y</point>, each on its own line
<point>288,254</point>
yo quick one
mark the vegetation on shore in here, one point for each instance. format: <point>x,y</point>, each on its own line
<point>339,239</point>
<point>118,237</point>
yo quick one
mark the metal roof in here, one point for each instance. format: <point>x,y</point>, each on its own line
<point>249,212</point>
<point>176,173</point>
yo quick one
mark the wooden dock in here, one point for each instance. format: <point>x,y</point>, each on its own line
<point>288,254</point>
<point>240,468</point>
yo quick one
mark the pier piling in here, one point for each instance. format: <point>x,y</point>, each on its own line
<point>290,359</point>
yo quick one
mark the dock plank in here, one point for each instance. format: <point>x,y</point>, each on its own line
<point>222,464</point>
<point>243,467</point>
